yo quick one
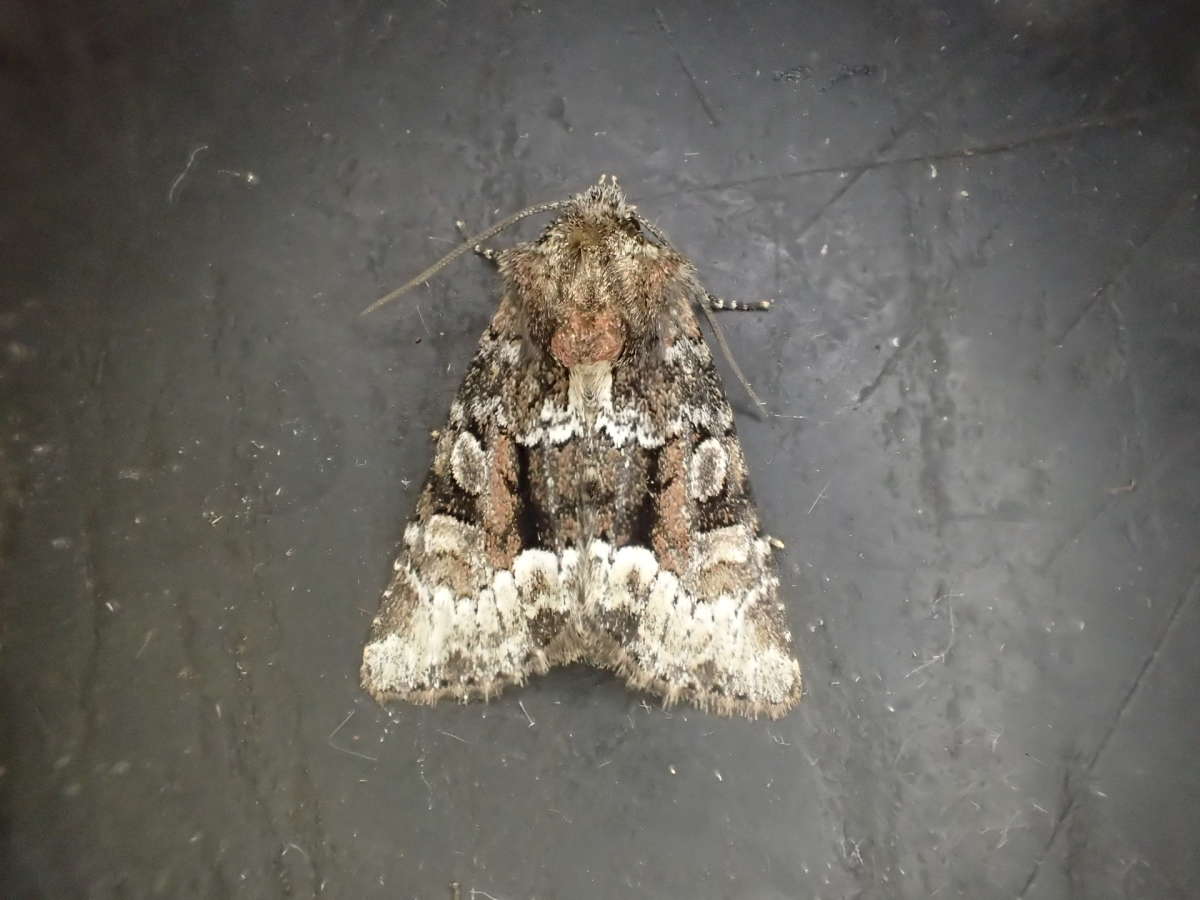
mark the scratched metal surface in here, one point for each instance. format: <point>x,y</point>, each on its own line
<point>980,222</point>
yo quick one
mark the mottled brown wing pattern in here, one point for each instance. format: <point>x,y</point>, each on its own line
<point>588,497</point>
<point>694,614</point>
<point>465,613</point>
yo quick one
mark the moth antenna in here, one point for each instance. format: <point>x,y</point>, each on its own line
<point>712,321</point>
<point>729,358</point>
<point>461,249</point>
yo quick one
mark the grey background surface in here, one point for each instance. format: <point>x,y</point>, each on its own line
<point>985,463</point>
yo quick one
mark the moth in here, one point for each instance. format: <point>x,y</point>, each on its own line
<point>589,499</point>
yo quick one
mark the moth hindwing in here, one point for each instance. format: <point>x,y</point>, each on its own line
<point>589,498</point>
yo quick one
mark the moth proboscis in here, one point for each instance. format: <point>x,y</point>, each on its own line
<point>589,499</point>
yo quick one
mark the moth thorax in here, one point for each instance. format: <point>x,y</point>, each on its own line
<point>591,387</point>
<point>588,337</point>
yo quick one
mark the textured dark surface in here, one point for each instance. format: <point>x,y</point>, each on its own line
<point>980,221</point>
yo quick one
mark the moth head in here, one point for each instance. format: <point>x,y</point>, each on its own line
<point>594,286</point>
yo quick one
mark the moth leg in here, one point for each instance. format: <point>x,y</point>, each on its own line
<point>486,252</point>
<point>721,304</point>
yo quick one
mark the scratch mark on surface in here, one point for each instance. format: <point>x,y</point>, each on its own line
<point>854,175</point>
<point>820,497</point>
<point>708,110</point>
<point>1133,383</point>
<point>1186,448</point>
<point>1176,205</point>
<point>145,643</point>
<point>862,166</point>
<point>1070,806</point>
<point>939,657</point>
<point>342,749</point>
<point>421,316</point>
<point>889,365</point>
